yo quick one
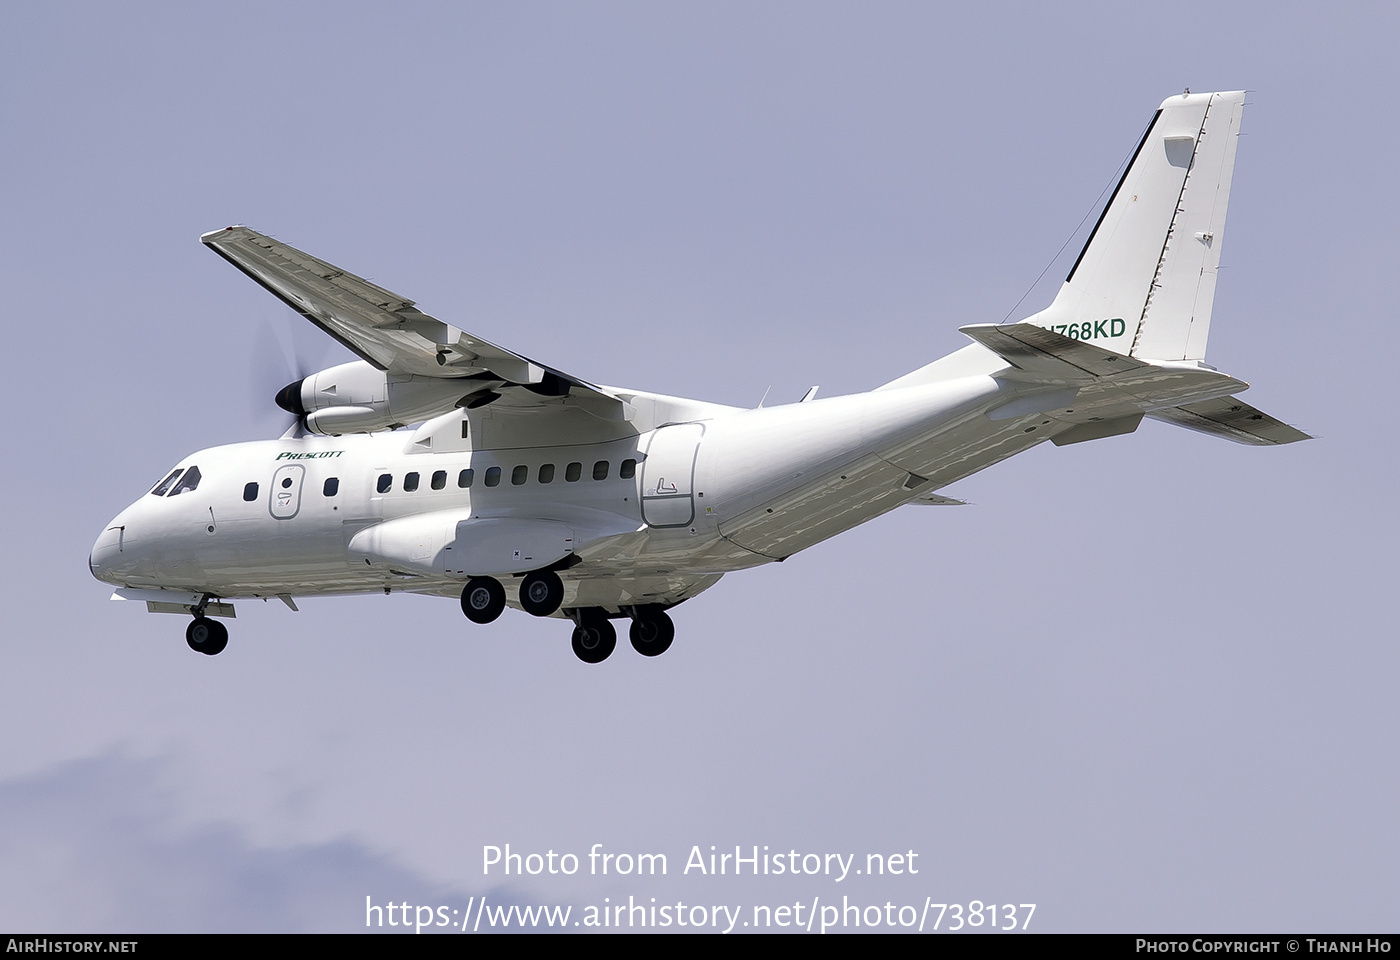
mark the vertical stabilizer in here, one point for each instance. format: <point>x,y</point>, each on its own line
<point>1145,281</point>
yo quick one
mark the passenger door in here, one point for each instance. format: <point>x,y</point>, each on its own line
<point>284,501</point>
<point>668,475</point>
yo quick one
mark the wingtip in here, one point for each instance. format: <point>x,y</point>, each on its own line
<point>222,233</point>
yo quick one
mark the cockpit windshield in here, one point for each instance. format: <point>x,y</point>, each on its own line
<point>159,489</point>
<point>188,482</point>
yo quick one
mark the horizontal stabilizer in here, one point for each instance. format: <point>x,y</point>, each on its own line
<point>1044,354</point>
<point>1233,419</point>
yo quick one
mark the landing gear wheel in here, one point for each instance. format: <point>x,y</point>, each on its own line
<point>594,638</point>
<point>206,636</point>
<point>483,599</point>
<point>652,633</point>
<point>541,593</point>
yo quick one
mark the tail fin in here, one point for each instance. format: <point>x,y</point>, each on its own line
<point>1144,284</point>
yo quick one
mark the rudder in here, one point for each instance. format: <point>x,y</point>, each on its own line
<point>1144,283</point>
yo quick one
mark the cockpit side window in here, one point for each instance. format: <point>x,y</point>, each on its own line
<point>159,489</point>
<point>189,481</point>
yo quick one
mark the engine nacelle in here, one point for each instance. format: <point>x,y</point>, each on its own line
<point>334,421</point>
<point>357,397</point>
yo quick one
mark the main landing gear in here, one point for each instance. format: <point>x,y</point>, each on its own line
<point>652,631</point>
<point>594,637</point>
<point>484,599</point>
<point>206,636</point>
<point>541,593</point>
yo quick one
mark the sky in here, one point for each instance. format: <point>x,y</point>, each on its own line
<point>1144,683</point>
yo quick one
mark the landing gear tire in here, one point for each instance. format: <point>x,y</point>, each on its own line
<point>483,599</point>
<point>206,636</point>
<point>652,633</point>
<point>541,593</point>
<point>594,638</point>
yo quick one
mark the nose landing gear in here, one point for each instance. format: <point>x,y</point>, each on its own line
<point>206,636</point>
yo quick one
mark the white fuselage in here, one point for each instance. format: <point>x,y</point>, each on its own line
<point>526,485</point>
<point>650,510</point>
<point>654,515</point>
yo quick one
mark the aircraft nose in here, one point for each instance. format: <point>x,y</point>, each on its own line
<point>104,552</point>
<point>111,555</point>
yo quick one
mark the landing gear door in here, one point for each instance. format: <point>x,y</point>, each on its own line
<point>668,475</point>
<point>285,499</point>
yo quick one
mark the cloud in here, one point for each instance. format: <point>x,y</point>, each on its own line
<point>98,845</point>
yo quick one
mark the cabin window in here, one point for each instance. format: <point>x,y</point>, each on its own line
<point>628,470</point>
<point>465,478</point>
<point>386,480</point>
<point>250,491</point>
<point>188,482</point>
<point>439,479</point>
<point>331,486</point>
<point>600,470</point>
<point>160,488</point>
<point>573,471</point>
<point>493,476</point>
<point>519,475</point>
<point>410,482</point>
<point>546,473</point>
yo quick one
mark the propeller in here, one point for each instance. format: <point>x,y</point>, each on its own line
<point>280,364</point>
<point>289,398</point>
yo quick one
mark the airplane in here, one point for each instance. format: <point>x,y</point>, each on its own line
<point>442,464</point>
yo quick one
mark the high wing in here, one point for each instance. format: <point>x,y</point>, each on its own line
<point>385,329</point>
